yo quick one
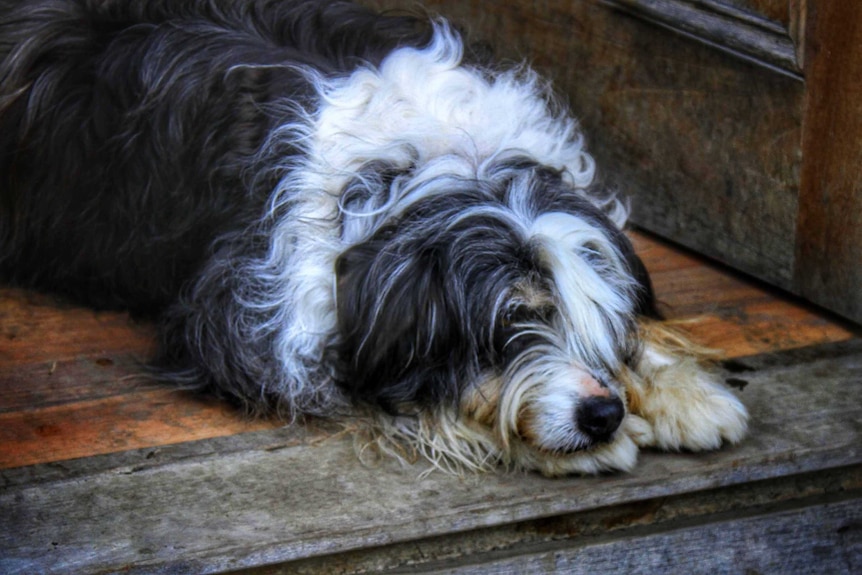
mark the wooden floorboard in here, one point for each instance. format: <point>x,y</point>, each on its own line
<point>72,382</point>
<point>101,471</point>
<point>285,497</point>
<point>729,312</point>
<point>37,328</point>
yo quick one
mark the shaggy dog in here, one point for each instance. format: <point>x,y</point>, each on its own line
<point>337,212</point>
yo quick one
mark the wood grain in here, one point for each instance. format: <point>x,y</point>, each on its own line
<point>596,540</point>
<point>829,253</point>
<point>809,540</point>
<point>780,11</point>
<point>742,31</point>
<point>131,420</point>
<point>262,504</point>
<point>102,471</point>
<point>41,328</point>
<point>96,400</point>
<point>730,312</point>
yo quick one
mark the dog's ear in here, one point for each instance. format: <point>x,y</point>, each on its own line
<point>645,303</point>
<point>401,340</point>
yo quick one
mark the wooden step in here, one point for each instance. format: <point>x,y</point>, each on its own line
<point>103,472</point>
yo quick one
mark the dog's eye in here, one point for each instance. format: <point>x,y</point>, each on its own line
<point>515,344</point>
<point>509,343</point>
<point>522,315</point>
<point>508,318</point>
<point>593,254</point>
<point>518,329</point>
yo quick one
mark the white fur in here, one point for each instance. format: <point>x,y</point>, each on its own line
<point>685,405</point>
<point>424,112</point>
<point>588,306</point>
<point>420,108</point>
<point>543,388</point>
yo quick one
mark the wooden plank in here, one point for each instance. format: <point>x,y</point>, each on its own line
<point>40,328</point>
<point>729,312</point>
<point>587,534</point>
<point>267,505</point>
<point>134,420</point>
<point>759,328</point>
<point>739,31</point>
<point>822,539</point>
<point>99,403</point>
<point>37,385</point>
<point>829,251</point>
<point>72,384</point>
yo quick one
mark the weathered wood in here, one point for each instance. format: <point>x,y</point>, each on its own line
<point>634,537</point>
<point>781,11</point>
<point>829,253</point>
<point>811,540</point>
<point>73,384</point>
<point>29,386</point>
<point>116,423</point>
<point>41,328</point>
<point>296,499</point>
<point>721,24</point>
<point>97,402</point>
<point>728,312</point>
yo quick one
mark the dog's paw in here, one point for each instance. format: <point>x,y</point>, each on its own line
<point>640,430</point>
<point>687,409</point>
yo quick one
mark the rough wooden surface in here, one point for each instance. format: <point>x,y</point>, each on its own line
<point>829,269</point>
<point>106,473</point>
<point>71,385</point>
<point>812,541</point>
<point>644,536</point>
<point>283,497</point>
<point>781,11</point>
<point>742,31</point>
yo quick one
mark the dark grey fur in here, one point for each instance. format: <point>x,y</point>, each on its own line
<point>133,173</point>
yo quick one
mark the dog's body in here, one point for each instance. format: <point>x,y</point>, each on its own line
<point>333,212</point>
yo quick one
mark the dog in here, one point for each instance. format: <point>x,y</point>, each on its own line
<point>339,213</point>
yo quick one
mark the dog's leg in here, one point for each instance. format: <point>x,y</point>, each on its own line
<point>685,405</point>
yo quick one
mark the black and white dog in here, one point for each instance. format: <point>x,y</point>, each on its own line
<point>338,212</point>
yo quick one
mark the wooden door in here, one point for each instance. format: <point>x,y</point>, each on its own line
<point>734,125</point>
<point>829,228</point>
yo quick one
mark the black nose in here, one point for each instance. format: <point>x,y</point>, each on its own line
<point>599,417</point>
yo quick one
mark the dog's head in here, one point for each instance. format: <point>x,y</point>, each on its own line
<point>511,296</point>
